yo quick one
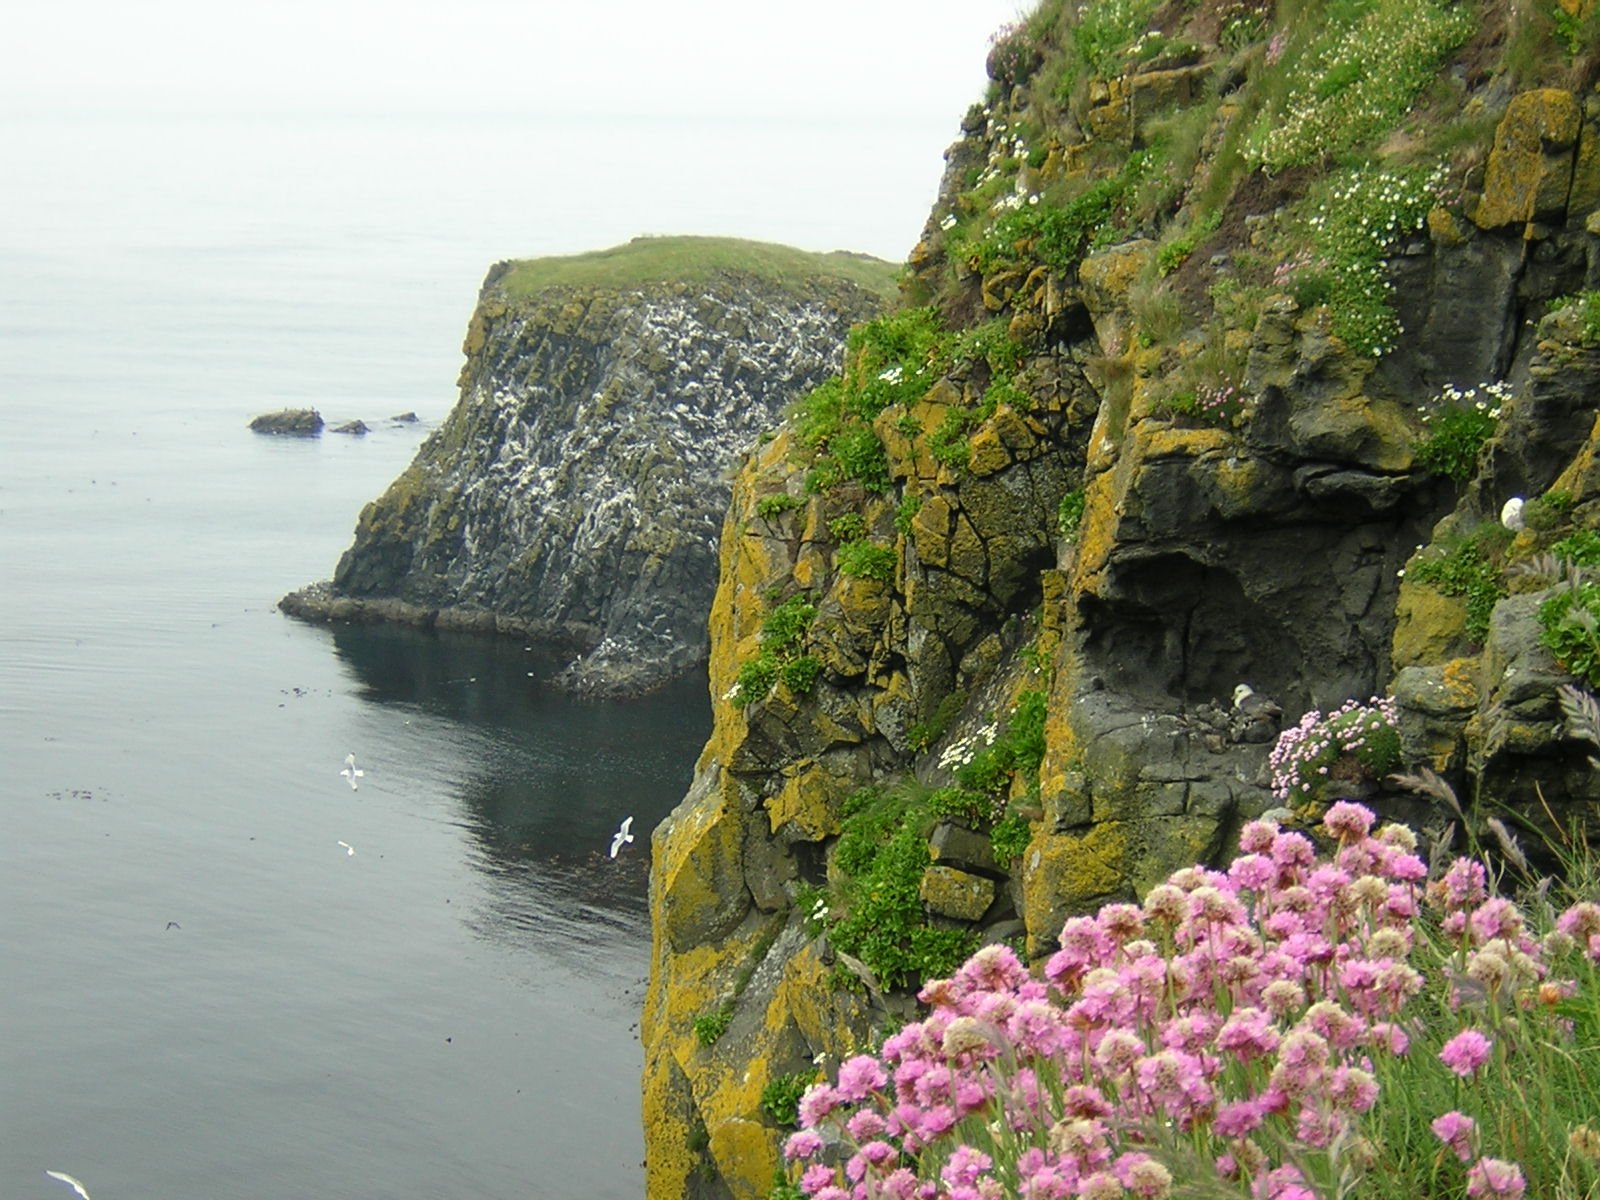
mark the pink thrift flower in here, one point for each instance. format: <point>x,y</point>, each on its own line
<point>1102,1185</point>
<point>831,1192</point>
<point>1495,1179</point>
<point>964,1167</point>
<point>1580,922</point>
<point>1143,1176</point>
<point>859,1077</point>
<point>899,1184</point>
<point>1239,1118</point>
<point>1466,1052</point>
<point>1248,1034</point>
<point>865,1125</point>
<point>1347,822</point>
<point>818,1101</point>
<point>816,1178</point>
<point>1455,1130</point>
<point>803,1144</point>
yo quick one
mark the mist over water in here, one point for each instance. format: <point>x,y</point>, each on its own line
<point>206,995</point>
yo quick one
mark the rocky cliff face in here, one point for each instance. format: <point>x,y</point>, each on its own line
<point>575,492</point>
<point>1178,401</point>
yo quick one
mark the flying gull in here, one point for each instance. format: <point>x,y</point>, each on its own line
<point>351,771</point>
<point>348,849</point>
<point>70,1182</point>
<point>622,836</point>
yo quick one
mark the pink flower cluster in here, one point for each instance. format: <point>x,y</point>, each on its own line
<point>1233,1019</point>
<point>1354,737</point>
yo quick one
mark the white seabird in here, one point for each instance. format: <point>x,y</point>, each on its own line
<point>351,771</point>
<point>622,837</point>
<point>1511,514</point>
<point>1257,718</point>
<point>70,1182</point>
<point>348,849</point>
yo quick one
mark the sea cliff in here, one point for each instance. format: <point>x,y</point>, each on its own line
<point>1217,364</point>
<point>575,492</point>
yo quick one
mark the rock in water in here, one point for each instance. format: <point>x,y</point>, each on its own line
<point>358,428</point>
<point>576,492</point>
<point>297,422</point>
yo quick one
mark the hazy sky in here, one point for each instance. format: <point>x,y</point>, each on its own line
<point>821,57</point>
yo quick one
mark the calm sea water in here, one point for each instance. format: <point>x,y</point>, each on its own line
<point>204,994</point>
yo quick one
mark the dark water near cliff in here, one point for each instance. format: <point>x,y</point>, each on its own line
<point>204,995</point>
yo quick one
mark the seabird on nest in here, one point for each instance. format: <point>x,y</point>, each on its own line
<point>1511,514</point>
<point>1256,718</point>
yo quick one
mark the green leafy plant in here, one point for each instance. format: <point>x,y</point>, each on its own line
<point>1581,548</point>
<point>776,504</point>
<point>1469,572</point>
<point>1549,510</point>
<point>799,675</point>
<point>1010,837</point>
<point>865,559</point>
<point>881,854</point>
<point>1175,250</point>
<point>780,657</point>
<point>709,1027</point>
<point>1457,426</point>
<point>847,527</point>
<point>906,512</point>
<point>780,1098</point>
<point>1069,514</point>
<point>1569,625</point>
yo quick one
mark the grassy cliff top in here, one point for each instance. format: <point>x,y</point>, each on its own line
<point>647,260</point>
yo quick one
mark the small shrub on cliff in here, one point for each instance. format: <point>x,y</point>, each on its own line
<point>1468,571</point>
<point>776,504</point>
<point>1293,1026</point>
<point>907,512</point>
<point>846,527</point>
<point>1581,548</point>
<point>780,1098</point>
<point>1569,625</point>
<point>1351,223</point>
<point>1458,423</point>
<point>1588,306</point>
<point>1338,753</point>
<point>881,854</point>
<point>1069,515</point>
<point>865,559</point>
<point>782,637</point>
<point>709,1027</point>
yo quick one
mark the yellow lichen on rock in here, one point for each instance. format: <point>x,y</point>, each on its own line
<point>1429,626</point>
<point>696,877</point>
<point>1529,173</point>
<point>806,806</point>
<point>1066,874</point>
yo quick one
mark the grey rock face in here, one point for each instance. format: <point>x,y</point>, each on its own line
<point>578,487</point>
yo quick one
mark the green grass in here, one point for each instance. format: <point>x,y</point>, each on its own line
<point>647,260</point>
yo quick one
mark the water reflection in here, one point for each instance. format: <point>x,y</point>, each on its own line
<point>548,778</point>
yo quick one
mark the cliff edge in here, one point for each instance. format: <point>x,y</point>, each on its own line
<point>574,493</point>
<point>1233,333</point>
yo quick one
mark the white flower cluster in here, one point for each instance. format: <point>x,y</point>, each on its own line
<point>959,752</point>
<point>1487,398</point>
<point>1381,60</point>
